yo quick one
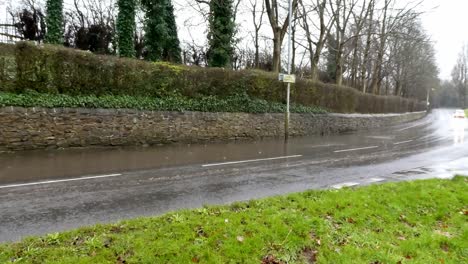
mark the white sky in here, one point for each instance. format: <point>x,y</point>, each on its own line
<point>445,20</point>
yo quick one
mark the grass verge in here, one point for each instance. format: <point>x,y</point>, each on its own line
<point>406,222</point>
<point>235,103</point>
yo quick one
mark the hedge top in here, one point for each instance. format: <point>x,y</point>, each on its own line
<point>58,70</point>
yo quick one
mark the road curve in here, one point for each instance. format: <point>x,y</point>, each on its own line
<point>50,191</point>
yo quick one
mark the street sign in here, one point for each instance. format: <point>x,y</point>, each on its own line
<point>287,78</point>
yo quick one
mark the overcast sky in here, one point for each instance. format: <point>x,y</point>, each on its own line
<point>445,20</point>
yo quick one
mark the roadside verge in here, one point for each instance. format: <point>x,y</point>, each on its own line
<point>423,221</point>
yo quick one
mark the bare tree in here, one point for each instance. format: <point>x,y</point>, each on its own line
<point>460,75</point>
<point>257,26</point>
<point>365,57</point>
<point>341,11</point>
<point>360,19</point>
<point>279,30</point>
<point>315,46</point>
<point>388,26</point>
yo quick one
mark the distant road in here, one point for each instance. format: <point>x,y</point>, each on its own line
<point>50,191</point>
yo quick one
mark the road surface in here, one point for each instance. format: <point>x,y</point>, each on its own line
<point>50,191</point>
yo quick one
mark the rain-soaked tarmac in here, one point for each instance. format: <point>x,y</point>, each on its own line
<point>50,191</point>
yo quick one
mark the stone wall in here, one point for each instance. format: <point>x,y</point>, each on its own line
<point>38,128</point>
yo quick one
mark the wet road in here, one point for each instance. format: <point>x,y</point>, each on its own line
<point>50,191</point>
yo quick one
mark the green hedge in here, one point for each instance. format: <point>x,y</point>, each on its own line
<point>235,103</point>
<point>58,70</point>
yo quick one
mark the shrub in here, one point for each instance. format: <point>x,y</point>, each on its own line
<point>58,70</point>
<point>235,103</point>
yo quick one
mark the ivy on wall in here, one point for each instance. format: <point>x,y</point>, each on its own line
<point>221,33</point>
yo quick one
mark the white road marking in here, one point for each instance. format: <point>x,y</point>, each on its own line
<point>372,180</point>
<point>355,149</point>
<point>327,145</point>
<point>420,124</point>
<point>403,142</point>
<point>379,137</point>
<point>344,184</point>
<point>247,161</point>
<point>57,181</point>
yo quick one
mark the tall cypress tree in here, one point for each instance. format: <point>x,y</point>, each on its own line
<point>172,51</point>
<point>155,28</point>
<point>54,21</point>
<point>161,39</point>
<point>126,27</point>
<point>221,33</point>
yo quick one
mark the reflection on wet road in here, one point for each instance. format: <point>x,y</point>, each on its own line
<point>48,191</point>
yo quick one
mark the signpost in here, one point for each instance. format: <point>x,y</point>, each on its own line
<point>288,78</point>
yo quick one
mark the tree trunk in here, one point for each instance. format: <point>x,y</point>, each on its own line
<point>377,72</point>
<point>339,65</point>
<point>257,53</point>
<point>277,50</point>
<point>367,48</point>
<point>354,65</point>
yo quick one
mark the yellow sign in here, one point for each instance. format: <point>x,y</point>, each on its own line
<point>287,78</point>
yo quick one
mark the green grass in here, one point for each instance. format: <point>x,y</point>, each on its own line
<point>466,112</point>
<point>406,222</point>
<point>234,103</point>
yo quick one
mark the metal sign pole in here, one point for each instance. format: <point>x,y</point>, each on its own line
<point>288,90</point>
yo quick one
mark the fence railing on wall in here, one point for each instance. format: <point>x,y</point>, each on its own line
<point>9,33</point>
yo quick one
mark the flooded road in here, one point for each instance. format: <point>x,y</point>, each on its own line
<point>49,191</point>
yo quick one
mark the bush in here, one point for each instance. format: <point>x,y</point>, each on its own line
<point>235,103</point>
<point>58,70</point>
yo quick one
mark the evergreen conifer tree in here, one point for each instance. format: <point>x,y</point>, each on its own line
<point>161,38</point>
<point>172,51</point>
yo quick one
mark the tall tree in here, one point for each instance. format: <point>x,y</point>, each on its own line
<point>171,49</point>
<point>279,31</point>
<point>360,20</point>
<point>367,47</point>
<point>221,33</point>
<point>156,32</point>
<point>54,21</point>
<point>161,39</point>
<point>315,46</point>
<point>332,45</point>
<point>257,26</point>
<point>341,12</point>
<point>460,75</point>
<point>126,27</point>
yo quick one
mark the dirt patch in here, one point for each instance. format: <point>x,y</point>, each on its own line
<point>270,259</point>
<point>309,255</point>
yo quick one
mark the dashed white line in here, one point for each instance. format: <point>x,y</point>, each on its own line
<point>344,184</point>
<point>355,149</point>
<point>403,142</point>
<point>252,160</point>
<point>57,181</point>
